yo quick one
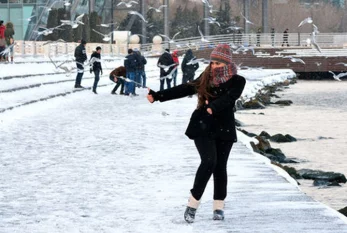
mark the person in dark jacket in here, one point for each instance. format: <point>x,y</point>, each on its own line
<point>9,37</point>
<point>139,65</point>
<point>141,70</point>
<point>258,37</point>
<point>130,64</point>
<point>80,57</point>
<point>117,76</point>
<point>166,65</point>
<point>96,67</point>
<point>212,125</point>
<point>189,67</point>
<point>285,38</point>
<point>273,37</point>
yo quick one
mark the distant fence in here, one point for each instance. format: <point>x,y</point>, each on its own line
<point>325,40</point>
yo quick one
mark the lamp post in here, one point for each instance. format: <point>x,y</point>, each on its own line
<point>143,12</point>
<point>206,24</point>
<point>246,8</point>
<point>166,20</point>
<point>112,25</point>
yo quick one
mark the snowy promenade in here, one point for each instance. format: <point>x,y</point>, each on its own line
<point>103,163</point>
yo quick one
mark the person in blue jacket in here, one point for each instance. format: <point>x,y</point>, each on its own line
<point>130,64</point>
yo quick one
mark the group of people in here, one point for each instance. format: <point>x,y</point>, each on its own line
<point>133,70</point>
<point>133,74</point>
<point>6,41</point>
<point>285,37</point>
<point>169,63</point>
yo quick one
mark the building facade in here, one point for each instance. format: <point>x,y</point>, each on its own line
<point>28,16</point>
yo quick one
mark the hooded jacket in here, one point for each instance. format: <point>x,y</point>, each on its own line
<point>80,53</point>
<point>165,59</point>
<point>9,33</point>
<point>189,69</point>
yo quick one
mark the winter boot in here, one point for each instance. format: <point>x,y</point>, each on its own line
<point>218,212</point>
<point>189,214</point>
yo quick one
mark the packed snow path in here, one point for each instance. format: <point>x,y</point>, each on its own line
<point>104,163</point>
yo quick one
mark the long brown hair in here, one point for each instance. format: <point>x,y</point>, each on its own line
<point>203,87</point>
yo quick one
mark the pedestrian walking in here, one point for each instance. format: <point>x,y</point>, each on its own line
<point>285,38</point>
<point>96,67</point>
<point>80,58</point>
<point>273,37</point>
<point>258,37</point>
<point>211,126</point>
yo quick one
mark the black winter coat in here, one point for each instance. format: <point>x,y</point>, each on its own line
<point>130,63</point>
<point>80,54</point>
<point>96,64</point>
<point>166,60</point>
<point>189,69</point>
<point>221,124</point>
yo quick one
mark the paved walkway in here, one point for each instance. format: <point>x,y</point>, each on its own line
<point>86,163</point>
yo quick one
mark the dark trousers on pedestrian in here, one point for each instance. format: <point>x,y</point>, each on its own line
<point>162,82</point>
<point>214,154</point>
<point>120,82</point>
<point>285,41</point>
<point>96,79</point>
<point>80,72</point>
<point>174,77</point>
<point>187,77</point>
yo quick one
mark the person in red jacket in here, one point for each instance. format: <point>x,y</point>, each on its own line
<point>177,62</point>
<point>2,39</point>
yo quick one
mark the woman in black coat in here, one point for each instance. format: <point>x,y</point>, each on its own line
<point>211,126</point>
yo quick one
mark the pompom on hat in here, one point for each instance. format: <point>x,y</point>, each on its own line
<point>222,53</point>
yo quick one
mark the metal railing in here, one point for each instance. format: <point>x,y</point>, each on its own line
<point>266,40</point>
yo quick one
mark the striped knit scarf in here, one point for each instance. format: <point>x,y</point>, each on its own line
<point>222,74</point>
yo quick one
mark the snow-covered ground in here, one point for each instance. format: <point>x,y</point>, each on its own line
<point>105,163</point>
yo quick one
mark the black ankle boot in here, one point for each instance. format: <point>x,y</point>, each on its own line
<point>94,91</point>
<point>189,214</point>
<point>218,215</point>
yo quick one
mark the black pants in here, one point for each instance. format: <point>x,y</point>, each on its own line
<point>187,77</point>
<point>80,71</point>
<point>96,79</point>
<point>214,154</point>
<point>162,82</point>
<point>120,82</point>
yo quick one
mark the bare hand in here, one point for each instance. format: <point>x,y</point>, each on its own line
<point>115,79</point>
<point>150,97</point>
<point>209,110</point>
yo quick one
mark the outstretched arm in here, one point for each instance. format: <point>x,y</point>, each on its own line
<point>176,92</point>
